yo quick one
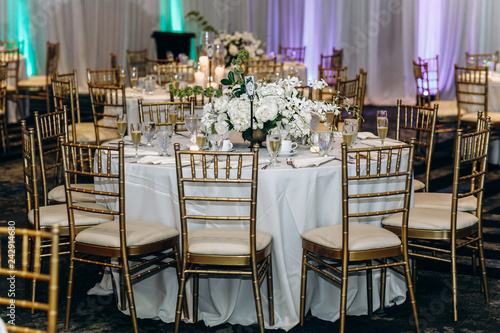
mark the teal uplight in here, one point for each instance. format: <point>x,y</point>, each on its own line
<point>21,11</point>
<point>171,16</point>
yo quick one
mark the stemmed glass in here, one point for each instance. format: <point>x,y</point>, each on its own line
<point>330,117</point>
<point>354,123</point>
<point>121,123</point>
<point>164,137</point>
<point>382,125</point>
<point>191,122</point>
<point>135,135</point>
<point>325,142</point>
<point>348,134</point>
<point>133,78</point>
<point>273,143</point>
<point>201,139</point>
<point>148,130</point>
<point>123,76</point>
<point>215,142</point>
<point>173,113</point>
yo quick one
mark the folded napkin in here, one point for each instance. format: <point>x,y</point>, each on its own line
<point>155,160</point>
<point>366,135</point>
<point>130,151</point>
<point>312,161</point>
<point>387,142</point>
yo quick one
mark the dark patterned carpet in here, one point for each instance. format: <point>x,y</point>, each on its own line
<point>100,314</point>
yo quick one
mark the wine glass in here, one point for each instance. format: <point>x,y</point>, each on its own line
<point>173,113</point>
<point>123,76</point>
<point>382,125</point>
<point>133,78</point>
<point>164,137</point>
<point>121,123</point>
<point>325,142</point>
<point>273,143</point>
<point>348,134</point>
<point>201,139</point>
<point>354,123</point>
<point>330,118</point>
<point>191,122</point>
<point>215,142</point>
<point>148,131</point>
<point>314,123</point>
<point>135,135</point>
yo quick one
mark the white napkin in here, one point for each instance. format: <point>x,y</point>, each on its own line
<point>312,161</point>
<point>130,151</point>
<point>155,160</point>
<point>366,135</point>
<point>387,142</point>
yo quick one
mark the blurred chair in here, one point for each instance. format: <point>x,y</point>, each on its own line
<point>419,123</point>
<point>4,134</point>
<point>11,57</point>
<point>106,77</point>
<point>23,270</point>
<point>292,53</point>
<point>330,76</point>
<point>173,72</point>
<point>66,98</point>
<point>160,112</point>
<point>107,104</point>
<point>11,45</point>
<point>50,128</point>
<point>137,59</point>
<point>357,244</point>
<point>38,86</point>
<point>113,60</point>
<point>426,73</point>
<point>438,234</point>
<point>261,68</point>
<point>152,246</point>
<point>482,59</point>
<point>226,250</point>
<point>352,92</point>
<point>332,61</point>
<point>152,64</point>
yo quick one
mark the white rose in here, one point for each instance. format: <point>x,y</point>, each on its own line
<point>267,110</point>
<point>233,50</point>
<point>221,127</point>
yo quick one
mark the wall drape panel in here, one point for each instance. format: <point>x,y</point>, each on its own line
<point>382,36</point>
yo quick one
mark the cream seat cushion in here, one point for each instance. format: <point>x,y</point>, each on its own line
<point>59,193</point>
<point>85,133</point>
<point>138,233</point>
<point>33,81</point>
<point>443,201</point>
<point>418,185</point>
<point>431,219</point>
<point>11,88</point>
<point>447,110</point>
<point>52,214</point>
<point>361,237</point>
<point>472,117</point>
<point>225,241</point>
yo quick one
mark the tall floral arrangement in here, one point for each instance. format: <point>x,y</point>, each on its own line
<point>233,43</point>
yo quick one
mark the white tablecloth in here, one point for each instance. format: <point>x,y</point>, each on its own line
<point>290,201</point>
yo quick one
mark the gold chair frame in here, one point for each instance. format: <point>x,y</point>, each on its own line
<point>471,85</point>
<point>160,112</point>
<point>354,91</point>
<point>331,76</point>
<point>11,56</point>
<point>481,56</point>
<point>4,133</point>
<point>421,121</point>
<point>256,264</point>
<point>334,60</point>
<point>166,68</point>
<point>35,237</point>
<point>332,262</point>
<point>287,52</point>
<point>152,64</point>
<point>137,58</point>
<point>107,77</point>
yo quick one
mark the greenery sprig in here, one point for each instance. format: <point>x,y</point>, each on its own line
<point>195,15</point>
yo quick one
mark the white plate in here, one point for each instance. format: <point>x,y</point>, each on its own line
<point>293,152</point>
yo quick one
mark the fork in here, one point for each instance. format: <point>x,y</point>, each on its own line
<point>289,161</point>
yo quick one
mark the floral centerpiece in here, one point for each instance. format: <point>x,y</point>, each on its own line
<point>236,42</point>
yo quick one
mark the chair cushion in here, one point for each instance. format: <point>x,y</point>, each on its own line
<point>225,241</point>
<point>443,201</point>
<point>85,133</point>
<point>59,193</point>
<point>361,237</point>
<point>472,117</point>
<point>33,81</point>
<point>447,111</point>
<point>138,233</point>
<point>418,185</point>
<point>431,219</point>
<point>11,88</point>
<point>52,214</point>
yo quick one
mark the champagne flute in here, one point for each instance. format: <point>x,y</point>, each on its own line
<point>164,138</point>
<point>133,78</point>
<point>201,139</point>
<point>330,117</point>
<point>382,125</point>
<point>123,76</point>
<point>135,135</point>
<point>354,123</point>
<point>121,123</point>
<point>273,143</point>
<point>172,115</point>
<point>348,134</point>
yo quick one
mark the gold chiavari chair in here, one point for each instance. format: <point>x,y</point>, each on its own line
<point>50,128</point>
<point>481,59</point>
<point>426,73</point>
<point>137,59</point>
<point>330,76</point>
<point>356,245</point>
<point>10,45</point>
<point>11,58</point>
<point>4,134</point>
<point>107,104</point>
<point>292,53</point>
<point>45,217</point>
<point>173,72</point>
<point>419,122</point>
<point>38,86</point>
<point>226,250</point>
<point>106,77</point>
<point>161,112</point>
<point>152,64</point>
<point>152,246</point>
<point>436,233</point>
<point>24,271</point>
<point>261,68</point>
<point>332,61</point>
<point>353,93</point>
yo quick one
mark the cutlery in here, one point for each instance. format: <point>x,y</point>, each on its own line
<point>289,161</point>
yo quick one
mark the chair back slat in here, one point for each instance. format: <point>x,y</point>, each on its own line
<point>108,103</point>
<point>471,84</point>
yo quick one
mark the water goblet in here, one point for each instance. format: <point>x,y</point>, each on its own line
<point>148,131</point>
<point>135,135</point>
<point>325,142</point>
<point>121,123</point>
<point>382,125</point>
<point>348,134</point>
<point>273,143</point>
<point>215,142</point>
<point>191,122</point>
<point>163,138</point>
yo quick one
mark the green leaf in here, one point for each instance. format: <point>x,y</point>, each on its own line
<point>230,76</point>
<point>226,82</point>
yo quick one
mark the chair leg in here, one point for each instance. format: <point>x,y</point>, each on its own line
<point>414,273</point>
<point>474,262</point>
<point>178,268</point>
<point>256,291</point>
<point>196,289</point>
<point>369,290</point>
<point>270,290</point>
<point>454,280</point>
<point>411,292</point>
<point>70,289</point>
<point>303,280</point>
<point>484,278</point>
<point>383,281</point>
<point>180,297</point>
<point>130,295</point>
<point>343,295</point>
<point>123,292</point>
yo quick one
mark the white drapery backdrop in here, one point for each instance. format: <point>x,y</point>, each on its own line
<point>381,36</point>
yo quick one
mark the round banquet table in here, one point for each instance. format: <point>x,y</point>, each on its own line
<point>290,201</point>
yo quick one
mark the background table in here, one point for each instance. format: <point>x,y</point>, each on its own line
<point>290,201</point>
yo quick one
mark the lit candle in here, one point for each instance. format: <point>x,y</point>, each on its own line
<point>219,73</point>
<point>199,79</point>
<point>204,63</point>
<point>214,84</point>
